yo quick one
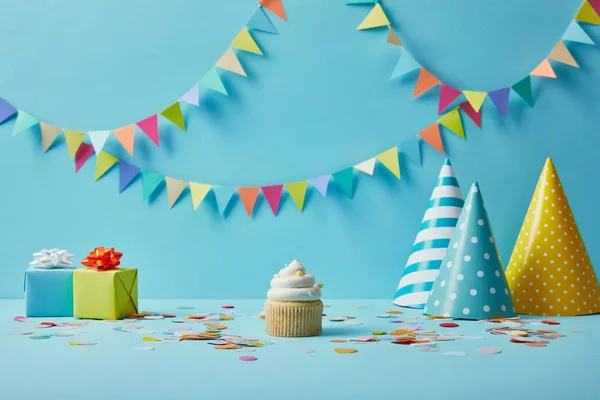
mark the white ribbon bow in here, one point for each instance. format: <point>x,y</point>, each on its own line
<point>52,258</point>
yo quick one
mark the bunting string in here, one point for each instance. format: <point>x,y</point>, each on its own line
<point>588,13</point>
<point>149,126</point>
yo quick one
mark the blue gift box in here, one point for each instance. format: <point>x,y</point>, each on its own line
<point>49,292</point>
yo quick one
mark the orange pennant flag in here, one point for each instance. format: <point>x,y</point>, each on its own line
<point>248,196</point>
<point>562,55</point>
<point>425,82</point>
<point>275,6</point>
<point>431,135</point>
<point>544,69</point>
<point>393,38</point>
<point>125,136</point>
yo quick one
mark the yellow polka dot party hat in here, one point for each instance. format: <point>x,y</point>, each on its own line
<point>549,272</point>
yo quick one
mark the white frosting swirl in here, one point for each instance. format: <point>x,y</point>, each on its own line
<point>294,284</point>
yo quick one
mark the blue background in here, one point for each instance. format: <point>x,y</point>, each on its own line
<point>319,100</point>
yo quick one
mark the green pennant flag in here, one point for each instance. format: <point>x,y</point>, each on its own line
<point>173,114</point>
<point>150,182</point>
<point>523,89</point>
<point>24,122</point>
<point>297,191</point>
<point>345,180</point>
<point>213,81</point>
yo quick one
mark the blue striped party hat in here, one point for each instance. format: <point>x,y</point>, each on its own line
<point>431,243</point>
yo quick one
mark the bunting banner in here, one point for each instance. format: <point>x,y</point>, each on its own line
<point>151,182</point>
<point>229,62</point>
<point>589,13</point>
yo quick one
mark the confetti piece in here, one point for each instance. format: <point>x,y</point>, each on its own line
<point>383,316</point>
<point>168,315</point>
<point>40,326</point>
<point>226,306</point>
<point>218,342</point>
<point>397,321</point>
<point>338,341</point>
<point>154,317</point>
<point>395,312</point>
<point>428,349</point>
<point>448,325</point>
<point>489,350</point>
<point>39,337</point>
<point>20,318</point>
<point>378,333</point>
<point>307,351</point>
<point>225,318</point>
<point>150,339</point>
<point>344,350</point>
<point>535,344</point>
<point>229,346</point>
<point>216,327</point>
<point>82,343</point>
<point>177,321</point>
<point>20,333</point>
<point>455,353</point>
<point>142,348</point>
<point>550,322</point>
<point>248,358</point>
<point>337,319</point>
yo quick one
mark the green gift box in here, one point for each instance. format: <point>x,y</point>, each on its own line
<point>111,294</point>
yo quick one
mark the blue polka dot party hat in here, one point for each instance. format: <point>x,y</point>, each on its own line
<point>471,283</point>
<point>431,242</point>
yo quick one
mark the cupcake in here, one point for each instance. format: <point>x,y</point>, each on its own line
<point>293,307</point>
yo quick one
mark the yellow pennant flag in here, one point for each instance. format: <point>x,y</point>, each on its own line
<point>389,158</point>
<point>475,99</point>
<point>49,134</point>
<point>375,19</point>
<point>588,14</point>
<point>199,192</point>
<point>366,166</point>
<point>451,120</point>
<point>297,191</point>
<point>103,163</point>
<point>244,41</point>
<point>174,189</point>
<point>73,139</point>
<point>230,62</point>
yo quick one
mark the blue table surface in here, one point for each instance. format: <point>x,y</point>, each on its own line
<point>567,368</point>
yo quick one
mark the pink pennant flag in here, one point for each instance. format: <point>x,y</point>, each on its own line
<point>84,152</point>
<point>273,196</point>
<point>471,113</point>
<point>150,127</point>
<point>447,95</point>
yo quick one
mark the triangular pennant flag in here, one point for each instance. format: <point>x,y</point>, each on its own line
<point>73,139</point>
<point>49,134</point>
<point>471,113</point>
<point>500,99</point>
<point>150,182</point>
<point>84,152</point>
<point>126,174</point>
<point>199,192</point>
<point>575,33</point>
<point>475,99</point>
<point>405,64</point>
<point>213,81</point>
<point>104,162</point>
<point>297,191</point>
<point>174,189</point>
<point>150,127</point>
<point>345,180</point>
<point>411,148</point>
<point>98,138</point>
<point>561,54</point>
<point>374,19</point>
<point>544,69</point>
<point>248,195</point>
<point>6,110</point>
<point>471,283</point>
<point>588,14</point>
<point>125,135</point>
<point>523,89</point>
<point>230,62</point>
<point>595,5</point>
<point>223,195</point>
<point>447,95</point>
<point>425,82</point>
<point>451,120</point>
<point>273,196</point>
<point>430,245</point>
<point>550,272</point>
<point>275,6</point>
<point>389,158</point>
<point>191,96</point>
<point>393,38</point>
<point>432,136</point>
<point>367,166</point>
<point>24,122</point>
<point>261,22</point>
<point>244,41</point>
<point>320,183</point>
<point>173,114</point>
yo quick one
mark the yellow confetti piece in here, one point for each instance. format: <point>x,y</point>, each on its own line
<point>342,350</point>
<point>225,318</point>
<point>150,339</point>
<point>395,312</point>
<point>216,327</point>
<point>378,333</point>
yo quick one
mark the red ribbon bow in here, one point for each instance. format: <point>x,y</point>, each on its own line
<point>102,259</point>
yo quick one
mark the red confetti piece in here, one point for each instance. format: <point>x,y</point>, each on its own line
<point>226,306</point>
<point>449,325</point>
<point>550,322</point>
